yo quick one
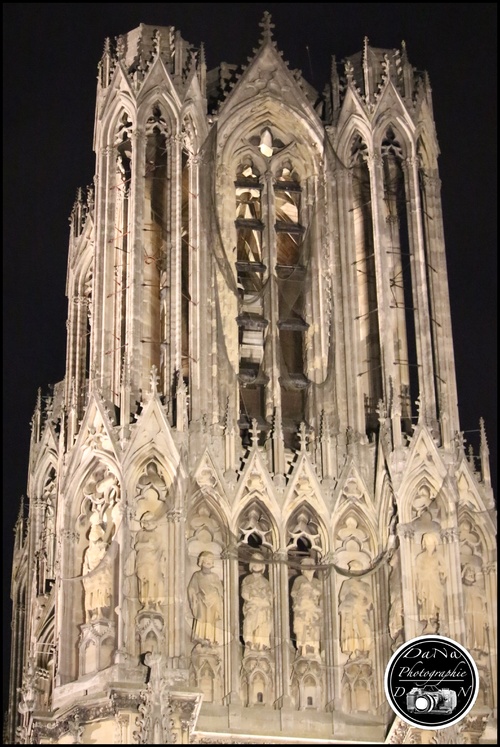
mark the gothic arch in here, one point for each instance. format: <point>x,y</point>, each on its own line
<point>426,151</point>
<point>255,517</point>
<point>206,530</point>
<point>146,454</point>
<point>112,119</point>
<point>355,537</point>
<point>300,531</point>
<point>401,132</point>
<point>300,140</point>
<point>47,465</point>
<point>440,493</point>
<point>485,538</point>
<point>356,125</point>
<point>74,521</point>
<point>167,106</point>
<point>191,126</point>
<point>209,497</point>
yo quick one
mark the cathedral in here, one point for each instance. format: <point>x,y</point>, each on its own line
<point>251,486</point>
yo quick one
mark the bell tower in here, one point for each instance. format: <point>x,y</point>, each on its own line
<point>253,467</point>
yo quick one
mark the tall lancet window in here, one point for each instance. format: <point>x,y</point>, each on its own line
<point>120,244</point>
<point>400,278</point>
<point>87,294</point>
<point>250,268</point>
<point>185,266</point>
<point>431,273</point>
<point>367,319</point>
<point>291,267</point>
<point>155,236</point>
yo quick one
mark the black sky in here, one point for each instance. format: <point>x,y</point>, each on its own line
<point>51,51</point>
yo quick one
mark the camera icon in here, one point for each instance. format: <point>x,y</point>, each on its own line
<point>431,700</point>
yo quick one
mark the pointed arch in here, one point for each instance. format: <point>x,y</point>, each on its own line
<point>255,525</point>
<point>355,126</point>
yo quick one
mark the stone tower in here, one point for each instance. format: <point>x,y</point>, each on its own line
<point>257,434</point>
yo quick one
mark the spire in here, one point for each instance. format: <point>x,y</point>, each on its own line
<point>407,72</point>
<point>36,420</point>
<point>19,525</point>
<point>335,83</point>
<point>78,213</point>
<point>202,70</point>
<point>484,453</point>
<point>106,64</point>
<point>73,414</point>
<point>366,71</point>
<point>266,26</point>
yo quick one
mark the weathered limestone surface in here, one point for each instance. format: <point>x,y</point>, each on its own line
<point>240,501</point>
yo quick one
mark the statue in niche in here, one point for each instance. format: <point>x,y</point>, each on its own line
<point>306,595</point>
<point>97,571</point>
<point>355,605</point>
<point>257,606</point>
<point>474,609</point>
<point>205,595</point>
<point>430,576</point>
<point>149,560</point>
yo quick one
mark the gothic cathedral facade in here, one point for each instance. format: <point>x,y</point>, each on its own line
<point>253,466</point>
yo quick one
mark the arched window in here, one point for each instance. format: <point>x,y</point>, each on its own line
<point>400,276</point>
<point>271,272</point>
<point>367,317</point>
<point>250,269</point>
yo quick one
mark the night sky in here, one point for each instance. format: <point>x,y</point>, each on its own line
<point>51,53</point>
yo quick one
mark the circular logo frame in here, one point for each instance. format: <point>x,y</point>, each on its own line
<point>431,682</point>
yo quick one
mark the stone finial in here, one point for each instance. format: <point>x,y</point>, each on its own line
<point>120,46</point>
<point>302,437</point>
<point>470,456</point>
<point>484,441</point>
<point>366,45</point>
<point>153,379</point>
<point>381,411</point>
<point>36,419</point>
<point>349,71</point>
<point>255,433</point>
<point>366,76</point>
<point>419,409</point>
<point>266,26</point>
<point>484,453</point>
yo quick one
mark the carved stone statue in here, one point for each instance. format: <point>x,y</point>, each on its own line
<point>355,604</point>
<point>474,609</point>
<point>149,562</point>
<point>257,607</point>
<point>306,596</point>
<point>430,576</point>
<point>205,595</point>
<point>97,571</point>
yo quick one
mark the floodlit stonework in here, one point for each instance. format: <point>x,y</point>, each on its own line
<point>251,486</point>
